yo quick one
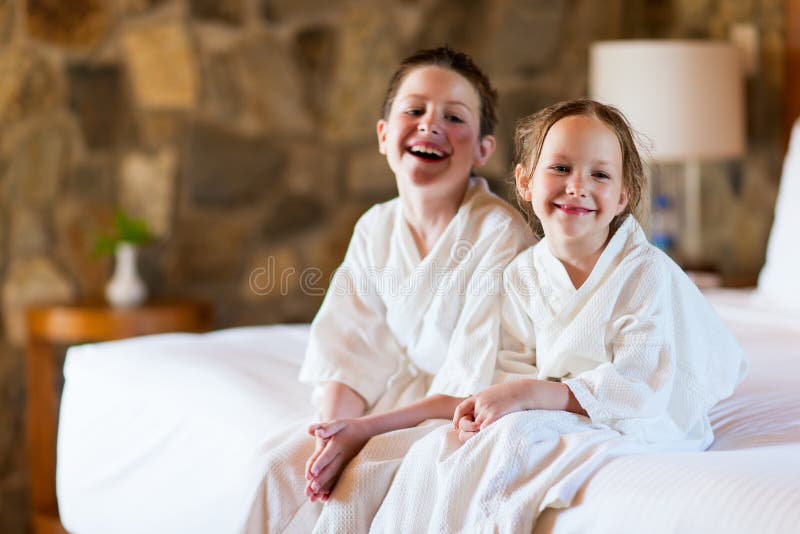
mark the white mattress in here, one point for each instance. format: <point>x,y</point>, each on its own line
<point>168,433</point>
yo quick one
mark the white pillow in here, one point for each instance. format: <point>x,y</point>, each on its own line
<point>779,281</point>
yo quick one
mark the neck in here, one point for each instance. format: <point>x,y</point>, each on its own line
<point>579,256</point>
<point>429,215</point>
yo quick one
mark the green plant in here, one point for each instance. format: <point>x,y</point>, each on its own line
<point>126,230</point>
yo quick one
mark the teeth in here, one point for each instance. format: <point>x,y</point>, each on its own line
<point>426,150</point>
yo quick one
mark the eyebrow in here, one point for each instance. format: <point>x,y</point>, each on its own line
<point>604,162</point>
<point>449,102</point>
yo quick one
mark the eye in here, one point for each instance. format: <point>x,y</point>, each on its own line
<point>561,169</point>
<point>601,175</point>
<point>414,112</point>
<point>454,118</point>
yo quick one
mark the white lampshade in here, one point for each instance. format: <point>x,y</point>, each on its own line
<point>685,96</point>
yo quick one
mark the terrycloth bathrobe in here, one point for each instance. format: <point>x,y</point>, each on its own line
<point>396,327</point>
<point>639,346</point>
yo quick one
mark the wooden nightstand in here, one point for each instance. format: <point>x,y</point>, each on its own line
<point>51,326</point>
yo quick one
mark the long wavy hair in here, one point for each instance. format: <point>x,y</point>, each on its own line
<point>530,134</point>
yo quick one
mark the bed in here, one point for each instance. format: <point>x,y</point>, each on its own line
<point>188,413</point>
<point>169,433</point>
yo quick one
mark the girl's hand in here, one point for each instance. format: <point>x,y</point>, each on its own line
<point>341,440</point>
<point>496,401</point>
<point>467,428</point>
<point>465,410</point>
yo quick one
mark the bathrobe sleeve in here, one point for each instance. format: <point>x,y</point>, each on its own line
<point>472,352</point>
<point>632,391</point>
<point>350,341</point>
<point>516,358</point>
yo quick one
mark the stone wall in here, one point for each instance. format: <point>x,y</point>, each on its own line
<point>243,132</point>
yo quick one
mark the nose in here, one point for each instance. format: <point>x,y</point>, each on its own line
<point>576,186</point>
<point>428,123</point>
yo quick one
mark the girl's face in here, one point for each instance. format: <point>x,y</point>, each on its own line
<point>576,188</point>
<point>431,137</point>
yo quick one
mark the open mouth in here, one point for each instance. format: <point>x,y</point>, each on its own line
<point>428,153</point>
<point>573,210</point>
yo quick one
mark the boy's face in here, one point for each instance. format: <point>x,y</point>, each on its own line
<point>432,137</point>
<point>577,186</point>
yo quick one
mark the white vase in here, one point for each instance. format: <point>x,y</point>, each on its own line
<point>125,288</point>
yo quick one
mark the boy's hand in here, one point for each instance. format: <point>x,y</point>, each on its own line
<point>325,493</point>
<point>340,440</point>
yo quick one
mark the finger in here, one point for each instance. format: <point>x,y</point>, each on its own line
<point>326,430</point>
<point>314,497</point>
<point>491,418</point>
<point>312,428</point>
<point>325,494</point>
<point>468,425</point>
<point>326,478</point>
<point>480,418</point>
<point>310,463</point>
<point>464,420</point>
<point>318,461</point>
<point>312,494</point>
<point>321,495</point>
<point>317,451</point>
<point>466,407</point>
<point>327,488</point>
<point>330,453</point>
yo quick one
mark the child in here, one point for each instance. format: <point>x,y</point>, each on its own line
<point>400,337</point>
<point>621,351</point>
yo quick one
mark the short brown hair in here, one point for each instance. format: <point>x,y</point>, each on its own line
<point>531,131</point>
<point>459,62</point>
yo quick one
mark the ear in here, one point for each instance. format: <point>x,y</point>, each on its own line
<point>623,201</point>
<point>523,183</point>
<point>485,150</point>
<point>381,130</point>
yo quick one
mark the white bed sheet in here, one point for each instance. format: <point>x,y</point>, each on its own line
<point>168,434</point>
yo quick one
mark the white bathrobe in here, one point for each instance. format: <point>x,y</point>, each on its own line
<point>396,327</point>
<point>390,315</point>
<point>643,352</point>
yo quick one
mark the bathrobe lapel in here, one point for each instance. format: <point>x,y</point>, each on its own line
<point>563,314</point>
<point>423,278</point>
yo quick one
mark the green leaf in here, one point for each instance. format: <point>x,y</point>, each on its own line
<point>126,230</point>
<point>131,230</point>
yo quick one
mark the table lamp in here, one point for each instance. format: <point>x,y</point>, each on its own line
<point>686,97</point>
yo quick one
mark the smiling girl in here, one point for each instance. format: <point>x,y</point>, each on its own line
<point>617,330</point>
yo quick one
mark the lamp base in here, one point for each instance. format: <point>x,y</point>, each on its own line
<point>692,243</point>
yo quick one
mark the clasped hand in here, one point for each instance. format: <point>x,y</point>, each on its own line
<point>338,441</point>
<point>481,410</point>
